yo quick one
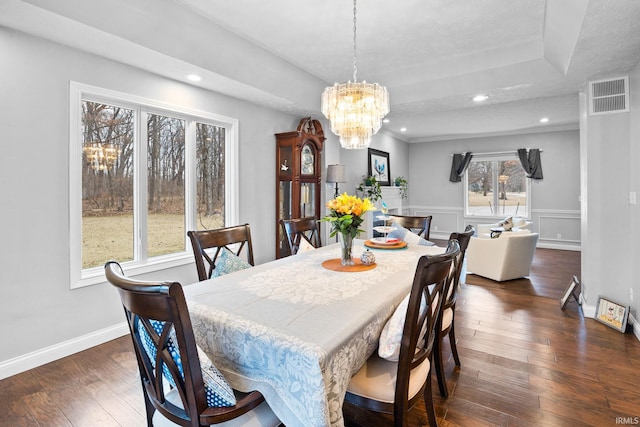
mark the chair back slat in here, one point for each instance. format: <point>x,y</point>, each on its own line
<point>159,325</point>
<point>221,238</point>
<point>421,225</point>
<point>301,228</point>
<point>463,239</point>
<point>146,302</point>
<point>433,273</point>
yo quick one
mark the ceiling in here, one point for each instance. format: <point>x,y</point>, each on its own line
<point>530,56</point>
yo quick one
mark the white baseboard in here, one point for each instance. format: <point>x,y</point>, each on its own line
<point>560,246</point>
<point>49,354</point>
<point>636,326</point>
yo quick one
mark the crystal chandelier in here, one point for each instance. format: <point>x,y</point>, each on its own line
<point>101,156</point>
<point>354,109</point>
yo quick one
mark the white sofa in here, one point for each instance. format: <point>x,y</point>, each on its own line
<point>504,258</point>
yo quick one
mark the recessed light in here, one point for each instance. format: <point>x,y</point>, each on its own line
<point>193,77</point>
<point>403,129</point>
<point>385,120</point>
<point>480,98</point>
<point>544,120</point>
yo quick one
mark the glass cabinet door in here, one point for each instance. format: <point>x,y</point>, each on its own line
<point>308,199</point>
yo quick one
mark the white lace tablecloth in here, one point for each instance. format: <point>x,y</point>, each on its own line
<point>296,331</point>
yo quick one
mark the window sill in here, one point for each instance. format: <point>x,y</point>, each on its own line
<point>95,276</point>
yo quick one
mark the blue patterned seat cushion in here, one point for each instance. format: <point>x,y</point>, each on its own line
<point>219,392</point>
<point>408,236</point>
<point>227,262</point>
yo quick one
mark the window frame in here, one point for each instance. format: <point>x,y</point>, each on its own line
<point>494,157</point>
<point>80,92</point>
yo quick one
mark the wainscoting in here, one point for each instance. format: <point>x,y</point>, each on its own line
<point>558,229</point>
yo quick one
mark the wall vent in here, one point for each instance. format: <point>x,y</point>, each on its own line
<point>609,96</point>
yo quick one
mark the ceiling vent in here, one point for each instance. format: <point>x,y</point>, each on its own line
<point>609,96</point>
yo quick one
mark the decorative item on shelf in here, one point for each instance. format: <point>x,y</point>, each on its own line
<point>355,109</point>
<point>367,257</point>
<point>384,208</point>
<point>346,216</point>
<point>402,183</point>
<point>370,187</point>
<point>336,174</point>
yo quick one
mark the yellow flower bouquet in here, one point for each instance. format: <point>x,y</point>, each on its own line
<point>346,216</point>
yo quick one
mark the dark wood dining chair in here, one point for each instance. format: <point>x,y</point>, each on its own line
<point>446,321</point>
<point>394,387</point>
<point>298,230</point>
<point>421,225</point>
<point>221,238</point>
<point>150,306</point>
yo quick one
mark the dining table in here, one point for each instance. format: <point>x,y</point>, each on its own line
<point>296,330</point>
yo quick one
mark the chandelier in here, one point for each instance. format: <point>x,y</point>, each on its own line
<point>354,109</point>
<point>101,156</point>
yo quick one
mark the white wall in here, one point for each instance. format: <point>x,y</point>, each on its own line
<point>37,308</point>
<point>357,160</point>
<point>634,185</point>
<point>611,155</point>
<point>555,206</point>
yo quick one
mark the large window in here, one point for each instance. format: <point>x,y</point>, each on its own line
<point>142,174</point>
<point>496,186</point>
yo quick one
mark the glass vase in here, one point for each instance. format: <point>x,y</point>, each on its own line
<point>346,243</point>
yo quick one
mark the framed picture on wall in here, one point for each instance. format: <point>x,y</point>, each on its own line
<point>379,166</point>
<point>612,314</point>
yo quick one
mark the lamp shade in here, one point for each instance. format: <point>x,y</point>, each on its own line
<point>336,173</point>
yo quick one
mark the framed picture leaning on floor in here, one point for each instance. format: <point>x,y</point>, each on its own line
<point>571,291</point>
<point>612,314</point>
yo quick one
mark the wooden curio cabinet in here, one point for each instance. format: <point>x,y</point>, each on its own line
<point>298,176</point>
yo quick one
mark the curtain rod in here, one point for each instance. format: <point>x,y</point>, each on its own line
<point>495,153</point>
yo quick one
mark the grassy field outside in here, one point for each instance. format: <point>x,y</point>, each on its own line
<point>483,205</point>
<point>111,237</point>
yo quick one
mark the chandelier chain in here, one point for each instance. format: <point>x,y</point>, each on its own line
<point>354,109</point>
<point>355,45</point>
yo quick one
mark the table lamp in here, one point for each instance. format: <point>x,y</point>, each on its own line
<point>336,174</point>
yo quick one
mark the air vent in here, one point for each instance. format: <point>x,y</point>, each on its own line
<point>609,96</point>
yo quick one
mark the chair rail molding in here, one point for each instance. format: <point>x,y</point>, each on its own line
<point>558,229</point>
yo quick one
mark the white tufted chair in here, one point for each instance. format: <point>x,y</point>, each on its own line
<point>504,258</point>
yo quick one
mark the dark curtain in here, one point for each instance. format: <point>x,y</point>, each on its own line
<point>531,162</point>
<point>459,164</point>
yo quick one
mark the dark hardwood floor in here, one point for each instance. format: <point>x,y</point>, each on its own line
<point>525,363</point>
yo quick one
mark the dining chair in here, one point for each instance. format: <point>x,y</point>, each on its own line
<point>446,320</point>
<point>299,230</point>
<point>394,386</point>
<point>221,238</point>
<point>176,375</point>
<point>421,225</point>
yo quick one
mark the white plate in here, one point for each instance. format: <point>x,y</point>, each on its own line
<point>383,241</point>
<point>384,229</point>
